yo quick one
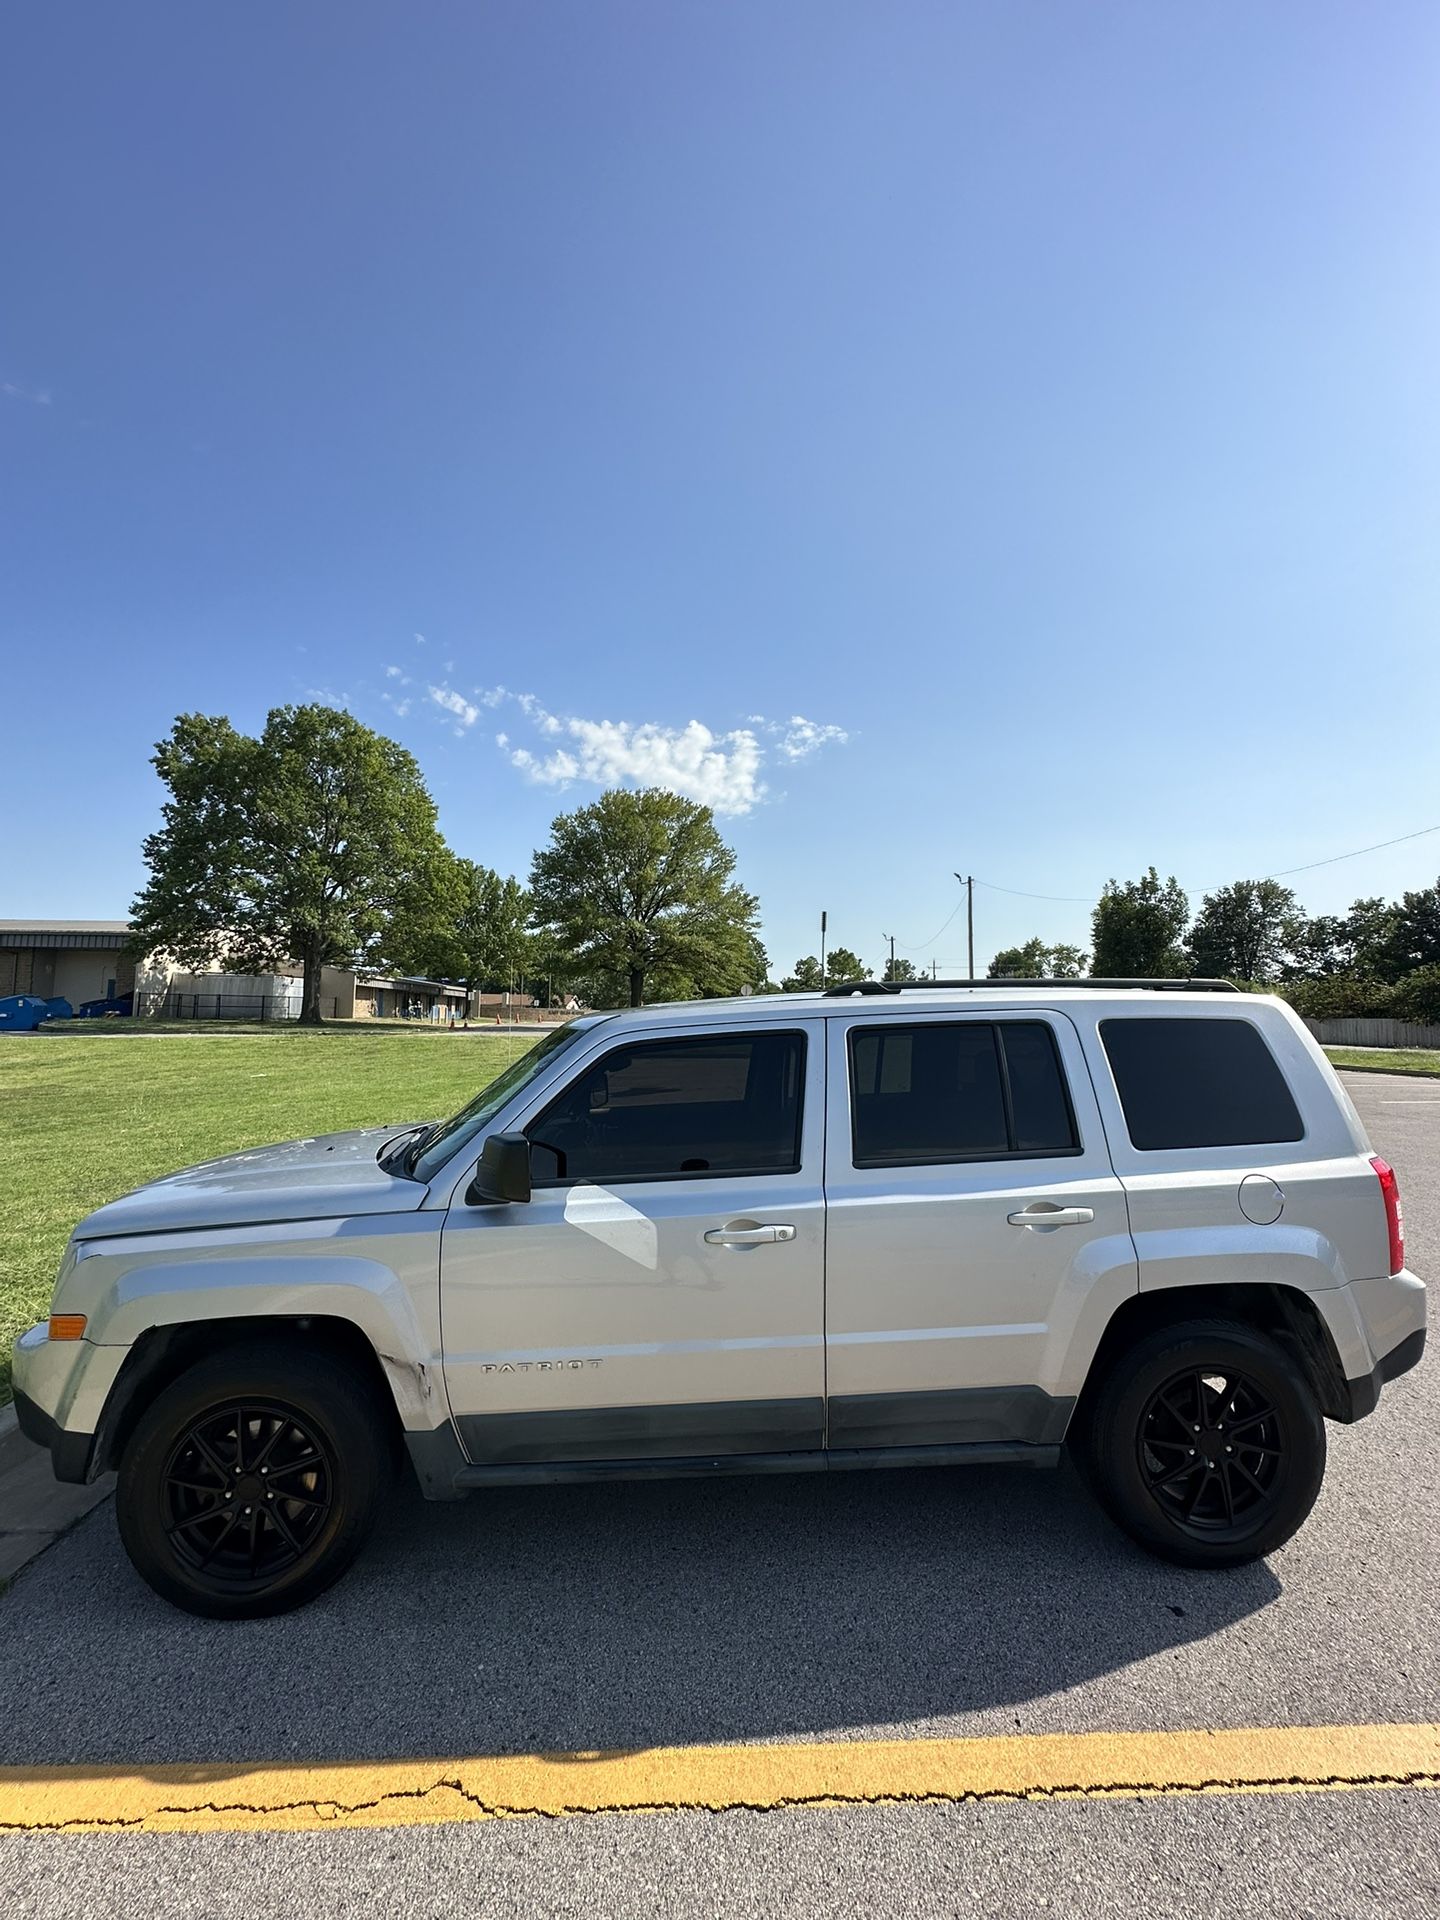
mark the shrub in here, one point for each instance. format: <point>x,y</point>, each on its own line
<point>1339,998</point>
<point>1417,997</point>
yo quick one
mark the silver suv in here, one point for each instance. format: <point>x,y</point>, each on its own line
<point>871,1228</point>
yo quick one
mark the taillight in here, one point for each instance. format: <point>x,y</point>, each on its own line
<point>1394,1215</point>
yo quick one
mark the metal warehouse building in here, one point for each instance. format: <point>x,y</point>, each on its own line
<point>79,959</point>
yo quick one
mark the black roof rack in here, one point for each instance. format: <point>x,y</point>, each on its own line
<point>914,986</point>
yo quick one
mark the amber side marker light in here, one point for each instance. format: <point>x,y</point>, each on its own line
<point>67,1326</point>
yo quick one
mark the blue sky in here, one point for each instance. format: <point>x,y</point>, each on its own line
<point>979,436</point>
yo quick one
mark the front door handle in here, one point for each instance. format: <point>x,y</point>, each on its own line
<point>748,1236</point>
<point>1041,1215</point>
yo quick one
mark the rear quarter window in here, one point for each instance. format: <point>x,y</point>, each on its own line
<point>1198,1083</point>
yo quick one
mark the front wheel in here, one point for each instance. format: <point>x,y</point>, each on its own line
<point>251,1482</point>
<point>1205,1442</point>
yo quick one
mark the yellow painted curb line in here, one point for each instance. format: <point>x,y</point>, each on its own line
<point>238,1799</point>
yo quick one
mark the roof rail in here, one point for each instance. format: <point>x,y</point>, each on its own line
<point>850,987</point>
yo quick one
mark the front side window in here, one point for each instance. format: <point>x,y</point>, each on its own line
<point>672,1109</point>
<point>1198,1083</point>
<point>974,1090</point>
<point>430,1153</point>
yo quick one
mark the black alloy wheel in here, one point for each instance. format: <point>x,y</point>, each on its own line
<point>1204,1440</point>
<point>247,1493</point>
<point>253,1479</point>
<point>1211,1449</point>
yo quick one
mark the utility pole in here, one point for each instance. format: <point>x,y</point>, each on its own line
<point>967,880</point>
<point>824,922</point>
<point>891,938</point>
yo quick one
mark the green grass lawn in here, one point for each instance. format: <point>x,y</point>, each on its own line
<point>85,1117</point>
<point>1392,1059</point>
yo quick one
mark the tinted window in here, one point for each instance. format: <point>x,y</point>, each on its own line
<point>963,1092</point>
<point>668,1108</point>
<point>1041,1106</point>
<point>1198,1083</point>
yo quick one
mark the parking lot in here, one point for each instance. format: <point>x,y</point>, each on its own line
<point>917,1606</point>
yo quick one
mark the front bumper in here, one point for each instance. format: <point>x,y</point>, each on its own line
<point>61,1387</point>
<point>70,1453</point>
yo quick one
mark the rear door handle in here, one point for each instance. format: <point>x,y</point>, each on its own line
<point>1040,1215</point>
<point>748,1236</point>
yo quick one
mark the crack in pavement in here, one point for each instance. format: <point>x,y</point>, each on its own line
<point>333,1812</point>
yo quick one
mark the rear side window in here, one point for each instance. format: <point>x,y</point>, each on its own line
<point>1198,1083</point>
<point>676,1109</point>
<point>968,1091</point>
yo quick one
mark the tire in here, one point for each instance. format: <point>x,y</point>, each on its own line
<point>1198,1498</point>
<point>237,1542</point>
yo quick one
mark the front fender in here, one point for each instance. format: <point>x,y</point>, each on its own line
<point>379,1273</point>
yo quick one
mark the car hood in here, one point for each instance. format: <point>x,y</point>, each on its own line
<point>319,1179</point>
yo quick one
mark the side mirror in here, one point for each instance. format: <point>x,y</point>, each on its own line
<point>503,1174</point>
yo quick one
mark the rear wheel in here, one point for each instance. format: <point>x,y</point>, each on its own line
<point>252,1482</point>
<point>1206,1443</point>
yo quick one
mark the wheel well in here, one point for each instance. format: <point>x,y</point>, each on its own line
<point>162,1354</point>
<point>1287,1315</point>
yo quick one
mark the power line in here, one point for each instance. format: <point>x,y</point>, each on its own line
<point>1086,900</point>
<point>1070,899</point>
<point>916,945</point>
<point>1419,834</point>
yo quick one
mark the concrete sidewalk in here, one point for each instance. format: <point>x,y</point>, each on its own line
<point>35,1508</point>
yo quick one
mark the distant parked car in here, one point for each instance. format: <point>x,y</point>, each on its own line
<point>114,1006</point>
<point>24,1012</point>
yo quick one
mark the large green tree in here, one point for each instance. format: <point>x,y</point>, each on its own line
<point>807,977</point>
<point>1244,931</point>
<point>1067,962</point>
<point>1366,940</point>
<point>842,966</point>
<point>1137,927</point>
<point>1029,962</point>
<point>639,889</point>
<point>1037,961</point>
<point>308,844</point>
<point>1315,947</point>
<point>1413,940</point>
<point>481,939</point>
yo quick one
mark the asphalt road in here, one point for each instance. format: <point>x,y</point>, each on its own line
<point>870,1605</point>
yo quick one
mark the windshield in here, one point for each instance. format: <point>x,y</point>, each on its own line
<point>436,1147</point>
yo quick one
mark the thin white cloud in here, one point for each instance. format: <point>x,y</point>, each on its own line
<point>396,673</point>
<point>32,396</point>
<point>329,697</point>
<point>456,704</point>
<point>797,738</point>
<point>533,711</point>
<point>722,770</point>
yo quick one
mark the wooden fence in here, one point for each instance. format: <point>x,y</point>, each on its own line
<point>1373,1033</point>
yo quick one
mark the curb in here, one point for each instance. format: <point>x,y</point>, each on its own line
<point>12,1442</point>
<point>1391,1073</point>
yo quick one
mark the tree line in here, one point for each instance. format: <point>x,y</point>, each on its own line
<point>317,843</point>
<point>1381,958</point>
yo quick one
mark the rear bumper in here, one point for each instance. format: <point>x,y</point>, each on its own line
<point>1365,1392</point>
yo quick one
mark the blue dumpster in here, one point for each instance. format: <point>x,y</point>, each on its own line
<point>24,1012</point>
